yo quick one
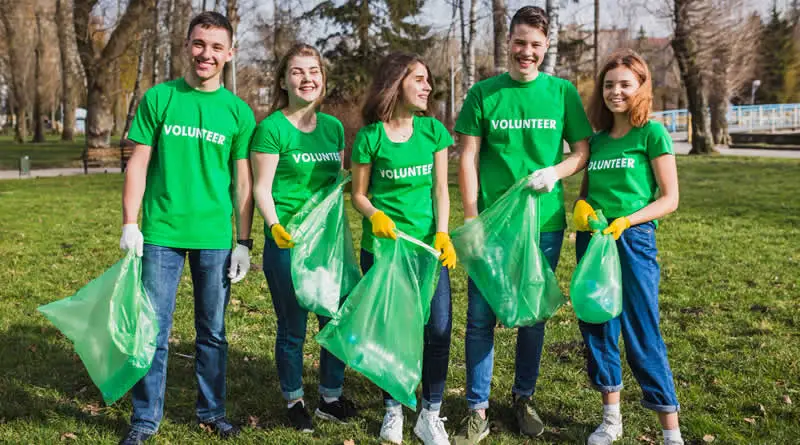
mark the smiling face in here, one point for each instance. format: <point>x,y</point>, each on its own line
<point>619,86</point>
<point>304,81</point>
<point>416,88</point>
<point>209,50</point>
<point>527,46</point>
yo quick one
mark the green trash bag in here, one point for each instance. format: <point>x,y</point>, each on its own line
<point>596,287</point>
<point>324,266</point>
<point>379,331</point>
<point>500,251</point>
<point>113,326</point>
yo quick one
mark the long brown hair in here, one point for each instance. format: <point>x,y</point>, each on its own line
<point>387,86</point>
<point>280,97</point>
<point>639,106</point>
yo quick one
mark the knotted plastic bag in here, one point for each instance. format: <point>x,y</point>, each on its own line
<point>500,251</point>
<point>596,286</point>
<point>113,326</point>
<point>380,330</point>
<point>324,266</point>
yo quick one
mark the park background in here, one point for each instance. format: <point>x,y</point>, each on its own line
<point>729,255</point>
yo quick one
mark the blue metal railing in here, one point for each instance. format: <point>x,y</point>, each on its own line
<point>741,117</point>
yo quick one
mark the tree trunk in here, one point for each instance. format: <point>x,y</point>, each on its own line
<point>137,91</point>
<point>719,121</point>
<point>156,35</point>
<point>468,45</point>
<point>500,35</point>
<point>97,63</point>
<point>550,59</point>
<point>66,36</point>
<point>169,22</point>
<point>229,71</point>
<point>685,49</point>
<point>595,43</point>
<point>180,23</point>
<point>38,121</point>
<point>21,129</point>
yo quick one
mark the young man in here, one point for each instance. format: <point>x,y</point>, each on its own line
<point>510,126</point>
<point>191,154</point>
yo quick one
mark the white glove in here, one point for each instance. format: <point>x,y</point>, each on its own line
<point>132,239</point>
<point>240,263</point>
<point>544,180</point>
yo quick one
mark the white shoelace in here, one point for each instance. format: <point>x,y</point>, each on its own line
<point>437,428</point>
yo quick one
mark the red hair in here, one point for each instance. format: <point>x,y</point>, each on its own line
<point>639,105</point>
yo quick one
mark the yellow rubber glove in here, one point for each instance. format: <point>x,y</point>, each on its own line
<point>443,244</point>
<point>382,225</point>
<point>580,215</point>
<point>617,227</point>
<point>281,236</point>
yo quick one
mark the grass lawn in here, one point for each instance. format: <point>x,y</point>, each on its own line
<point>729,305</point>
<point>50,154</point>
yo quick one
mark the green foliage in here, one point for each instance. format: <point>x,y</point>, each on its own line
<point>365,32</point>
<point>779,64</point>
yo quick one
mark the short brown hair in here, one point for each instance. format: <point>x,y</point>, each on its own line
<point>210,19</point>
<point>532,16</point>
<point>280,97</point>
<point>639,105</point>
<point>387,86</point>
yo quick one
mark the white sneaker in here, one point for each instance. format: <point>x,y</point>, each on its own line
<point>430,428</point>
<point>392,426</point>
<point>605,434</point>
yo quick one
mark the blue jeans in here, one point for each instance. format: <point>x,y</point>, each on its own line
<point>436,352</point>
<point>291,334</point>
<point>479,342</point>
<point>162,268</point>
<point>638,323</point>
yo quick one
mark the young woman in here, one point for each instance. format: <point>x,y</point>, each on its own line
<point>284,181</point>
<point>400,157</point>
<point>632,177</point>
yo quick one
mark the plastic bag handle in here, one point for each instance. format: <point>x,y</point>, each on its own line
<point>419,243</point>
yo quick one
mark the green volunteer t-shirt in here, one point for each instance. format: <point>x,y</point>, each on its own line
<point>401,180</point>
<point>522,127</point>
<point>195,137</point>
<point>621,179</point>
<point>306,161</point>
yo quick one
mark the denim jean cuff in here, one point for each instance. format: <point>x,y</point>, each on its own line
<point>293,395</point>
<point>661,408</point>
<point>390,403</point>
<point>522,393</point>
<point>144,430</point>
<point>479,405</point>
<point>330,392</point>
<point>212,418</point>
<point>607,389</point>
<point>431,406</point>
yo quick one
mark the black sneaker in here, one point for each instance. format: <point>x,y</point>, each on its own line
<point>341,410</point>
<point>299,418</point>
<point>221,427</point>
<point>134,437</point>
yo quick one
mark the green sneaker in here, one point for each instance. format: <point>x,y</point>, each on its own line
<point>528,420</point>
<point>473,429</point>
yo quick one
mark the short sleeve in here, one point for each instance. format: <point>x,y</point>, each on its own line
<point>145,124</point>
<point>340,133</point>
<point>576,124</point>
<point>265,138</point>
<point>659,142</point>
<point>441,136</point>
<point>471,115</point>
<point>240,148</point>
<point>363,151</point>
